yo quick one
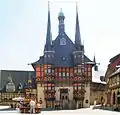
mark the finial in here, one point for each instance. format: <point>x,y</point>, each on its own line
<point>60,9</point>
<point>76,7</point>
<point>48,5</point>
<point>94,60</point>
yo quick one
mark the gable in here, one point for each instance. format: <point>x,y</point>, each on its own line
<point>63,47</point>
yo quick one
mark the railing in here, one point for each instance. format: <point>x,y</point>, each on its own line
<point>50,81</point>
<point>78,97</point>
<point>49,74</point>
<point>45,80</point>
<point>114,86</point>
<point>50,97</point>
<point>78,80</point>
<point>50,91</point>
<point>76,74</point>
<point>79,91</point>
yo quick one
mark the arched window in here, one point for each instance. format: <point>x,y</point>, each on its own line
<point>62,41</point>
<point>113,97</point>
<point>118,97</point>
<point>101,98</point>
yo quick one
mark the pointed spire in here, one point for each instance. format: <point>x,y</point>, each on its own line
<point>61,9</point>
<point>49,35</point>
<point>61,18</point>
<point>95,64</point>
<point>77,31</point>
<point>94,60</point>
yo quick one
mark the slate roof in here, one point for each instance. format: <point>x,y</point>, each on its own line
<point>116,72</point>
<point>114,58</point>
<point>63,56</point>
<point>17,77</point>
<point>63,53</point>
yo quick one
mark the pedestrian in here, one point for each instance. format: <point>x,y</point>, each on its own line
<point>94,106</point>
<point>17,107</point>
<point>32,106</point>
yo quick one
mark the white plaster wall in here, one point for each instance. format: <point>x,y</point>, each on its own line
<point>40,94</point>
<point>57,94</point>
<point>87,95</point>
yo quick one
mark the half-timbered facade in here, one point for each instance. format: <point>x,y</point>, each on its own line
<point>112,78</point>
<point>114,87</point>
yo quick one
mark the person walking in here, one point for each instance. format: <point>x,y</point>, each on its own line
<point>94,106</point>
<point>32,106</point>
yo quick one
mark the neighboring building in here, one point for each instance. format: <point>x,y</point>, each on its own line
<point>64,72</point>
<point>114,88</point>
<point>97,93</point>
<point>112,66</point>
<point>112,77</point>
<point>98,88</point>
<point>13,83</point>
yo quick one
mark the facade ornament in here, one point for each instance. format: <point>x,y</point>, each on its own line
<point>10,87</point>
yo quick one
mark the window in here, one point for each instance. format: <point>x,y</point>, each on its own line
<point>53,56</point>
<point>89,73</point>
<point>64,58</point>
<point>53,70</point>
<point>53,88</point>
<point>62,41</point>
<point>63,73</point>
<point>82,56</point>
<point>66,97</point>
<point>49,88</point>
<point>49,56</point>
<point>62,97</point>
<point>114,98</point>
<point>67,74</point>
<point>79,70</point>
<point>89,69</point>
<point>59,74</point>
<point>49,78</point>
<point>75,71</point>
<point>45,56</point>
<point>49,70</point>
<point>83,86</point>
<point>80,87</point>
<point>45,87</point>
<point>45,70</point>
<point>78,56</point>
<point>118,97</point>
<point>75,87</point>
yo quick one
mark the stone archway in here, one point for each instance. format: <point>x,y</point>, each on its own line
<point>65,104</point>
<point>72,105</point>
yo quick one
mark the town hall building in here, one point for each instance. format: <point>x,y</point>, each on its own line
<point>64,72</point>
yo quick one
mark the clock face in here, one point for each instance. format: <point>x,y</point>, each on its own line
<point>63,58</point>
<point>62,41</point>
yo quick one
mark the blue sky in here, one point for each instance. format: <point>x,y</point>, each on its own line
<point>23,25</point>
